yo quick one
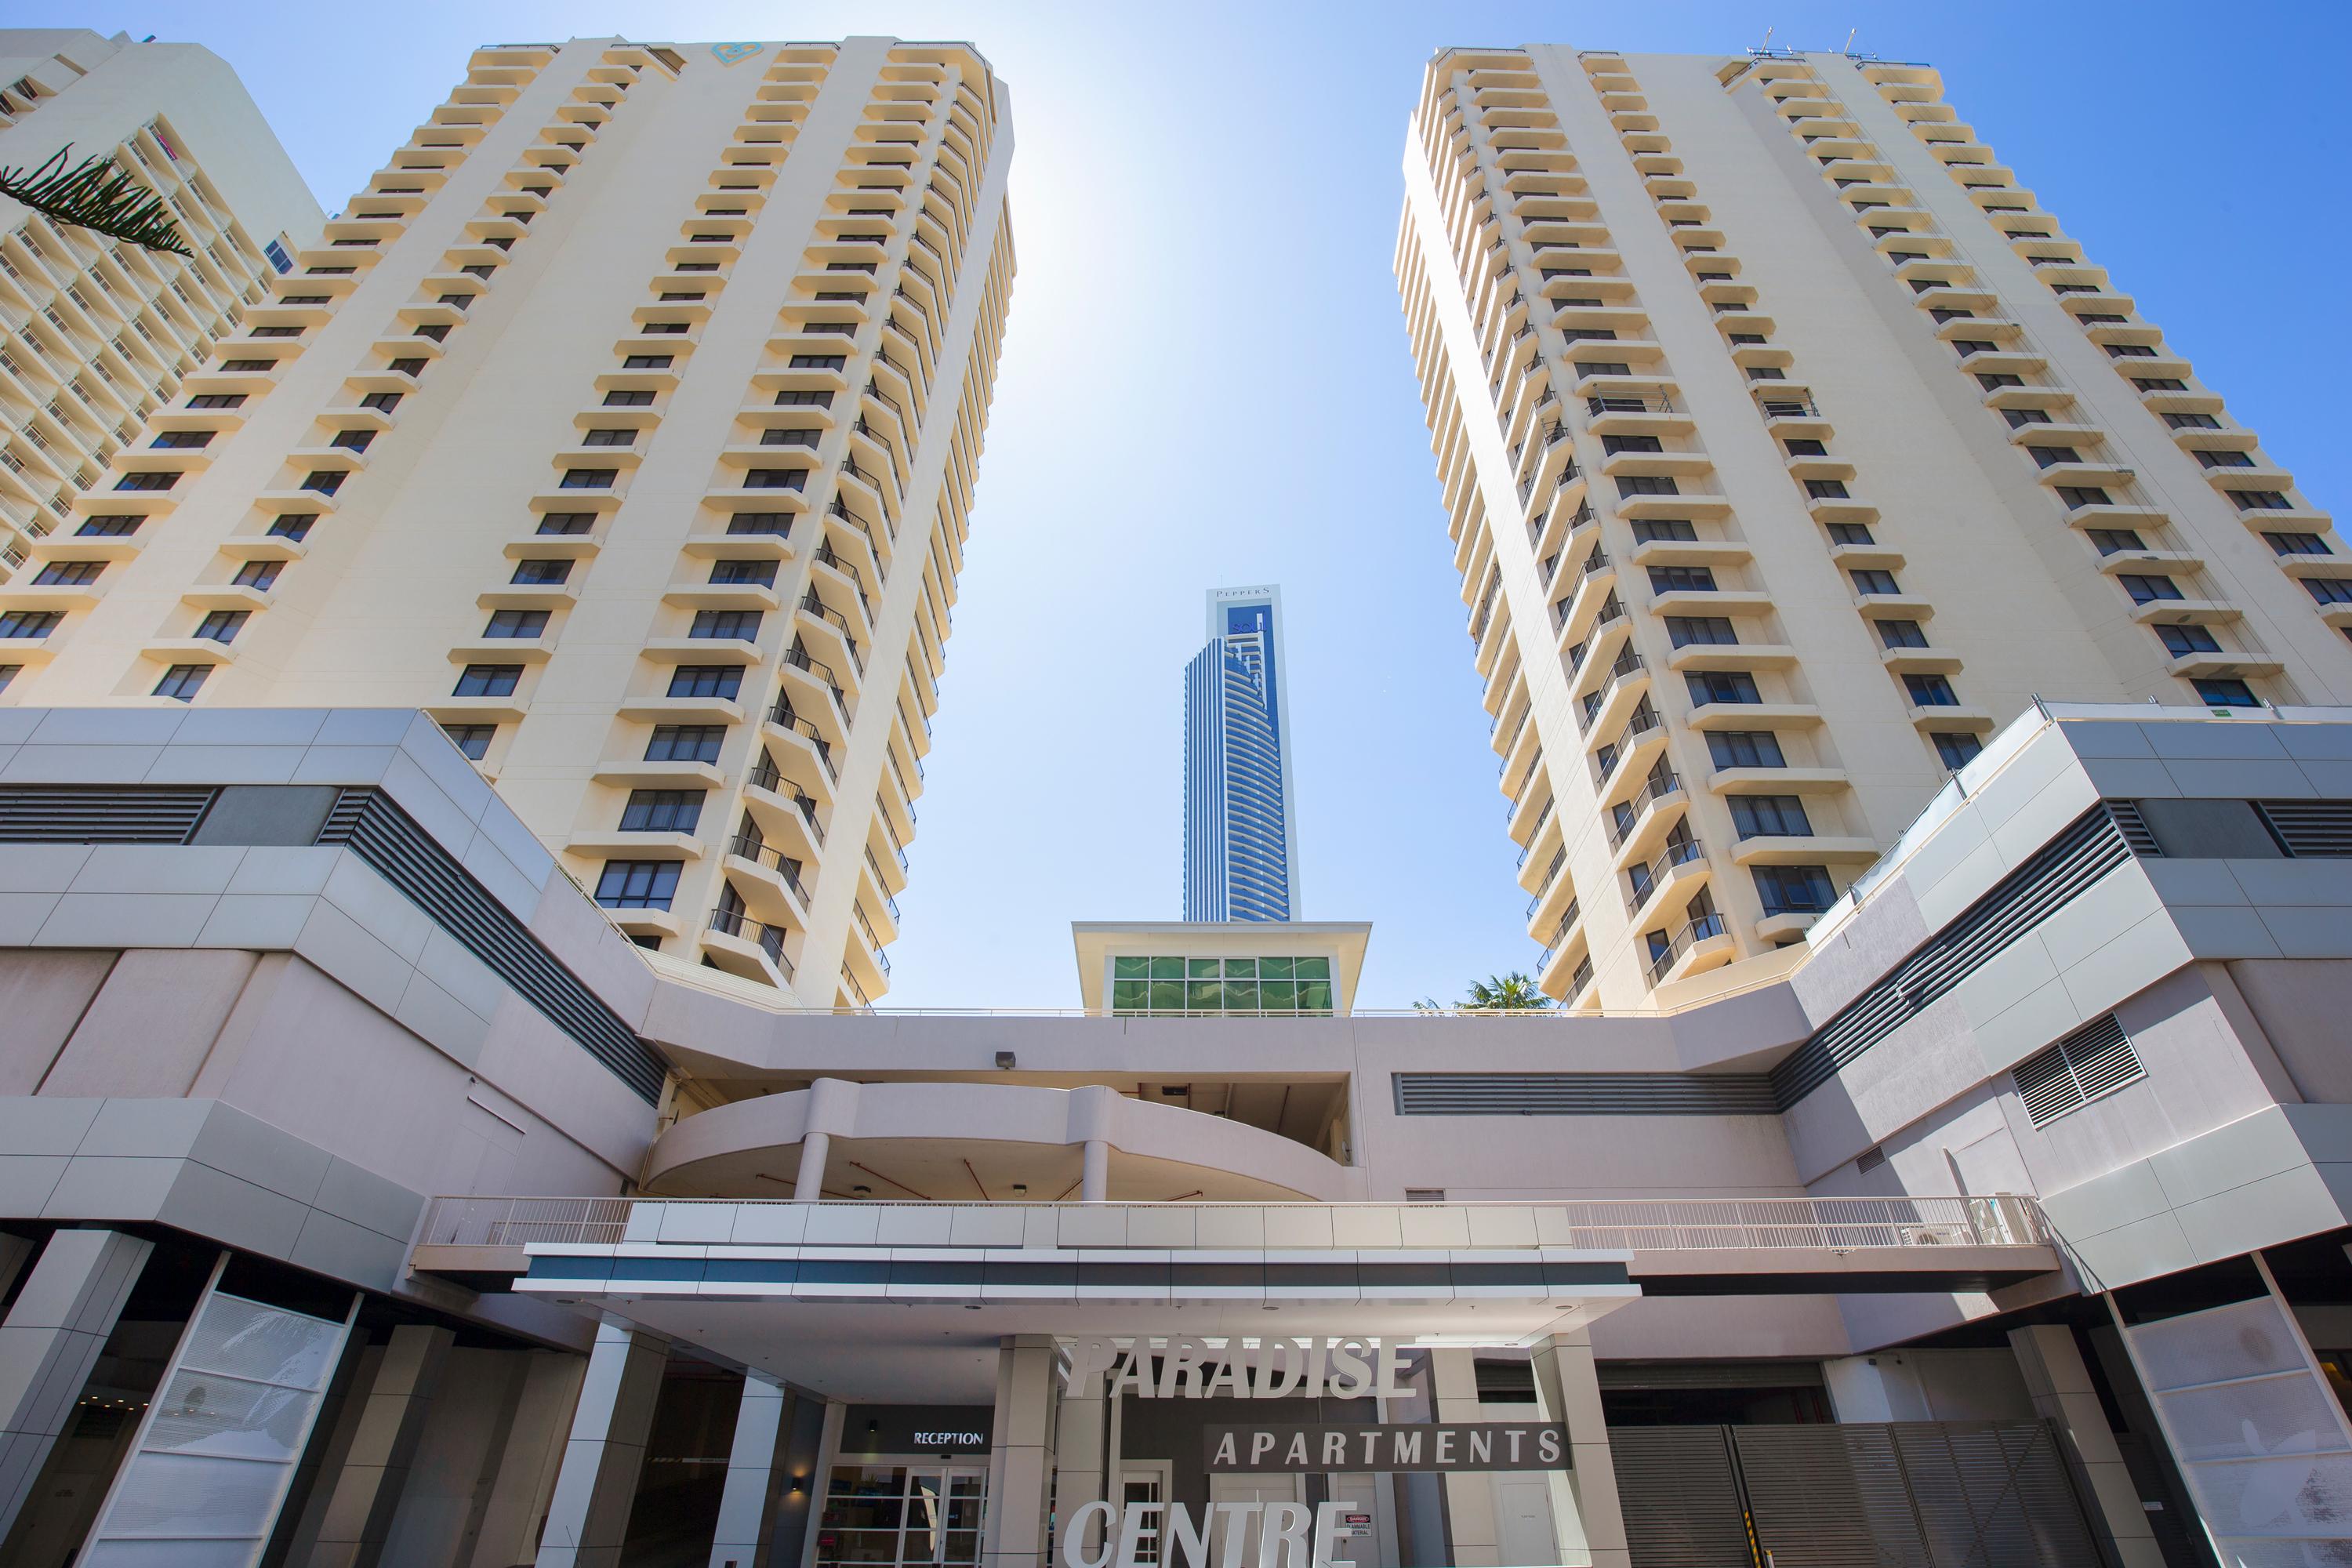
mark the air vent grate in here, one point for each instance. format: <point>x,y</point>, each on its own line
<point>1582,1094</point>
<point>2136,831</point>
<point>98,813</point>
<point>2095,1060</point>
<point>2313,829</point>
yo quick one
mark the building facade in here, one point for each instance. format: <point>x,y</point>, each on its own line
<point>101,333</point>
<point>368,1196</point>
<point>1790,446</point>
<point>1241,837</point>
<point>627,422</point>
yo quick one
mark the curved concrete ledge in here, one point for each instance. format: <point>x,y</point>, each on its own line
<point>956,1141</point>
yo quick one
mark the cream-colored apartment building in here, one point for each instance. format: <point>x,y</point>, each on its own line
<point>98,334</point>
<point>1790,446</point>
<point>625,423</point>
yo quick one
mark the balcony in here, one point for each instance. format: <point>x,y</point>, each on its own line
<point>1648,816</point>
<point>1701,945</point>
<point>801,738</point>
<point>1678,869</point>
<point>771,872</point>
<point>1626,680</point>
<point>1644,737</point>
<point>756,947</point>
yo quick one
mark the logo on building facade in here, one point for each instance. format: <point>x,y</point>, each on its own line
<point>727,54</point>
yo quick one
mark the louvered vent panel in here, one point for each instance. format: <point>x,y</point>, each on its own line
<point>2095,1060</point>
<point>1582,1094</point>
<point>1680,1497</point>
<point>2316,829</point>
<point>100,813</point>
<point>2135,828</point>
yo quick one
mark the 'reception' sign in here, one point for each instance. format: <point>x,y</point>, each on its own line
<point>1452,1446</point>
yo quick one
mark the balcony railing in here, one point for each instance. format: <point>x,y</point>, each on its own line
<point>765,776</point>
<point>1558,858</point>
<point>1644,881</point>
<point>782,717</point>
<point>1683,941</point>
<point>1658,403</point>
<point>769,939</point>
<point>1612,753</point>
<point>757,850</point>
<point>1657,788</point>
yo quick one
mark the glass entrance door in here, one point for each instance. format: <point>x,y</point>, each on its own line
<point>902,1516</point>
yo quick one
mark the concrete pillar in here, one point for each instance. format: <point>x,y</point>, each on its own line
<point>750,1464</point>
<point>389,1423</point>
<point>1474,1526</point>
<point>588,1516</point>
<point>1094,1184</point>
<point>49,1344</point>
<point>809,1186</point>
<point>1082,1455</point>
<point>2060,1385</point>
<point>528,1462</point>
<point>1586,1519</point>
<point>1023,1456</point>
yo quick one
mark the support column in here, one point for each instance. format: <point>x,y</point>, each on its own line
<point>1022,1455</point>
<point>51,1341</point>
<point>2061,1387</point>
<point>1094,1184</point>
<point>1082,1455</point>
<point>750,1464</point>
<point>589,1515</point>
<point>390,1421</point>
<point>1586,1519</point>
<point>1473,1526</point>
<point>809,1185</point>
<point>527,1465</point>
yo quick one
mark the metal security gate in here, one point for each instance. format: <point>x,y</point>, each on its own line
<point>1963,1494</point>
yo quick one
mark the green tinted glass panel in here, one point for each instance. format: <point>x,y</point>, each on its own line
<point>1202,996</point>
<point>1200,968</point>
<point>1166,968</point>
<point>1315,995</point>
<point>1241,995</point>
<point>1130,968</point>
<point>1245,967</point>
<point>1127,994</point>
<point>1274,968</point>
<point>1168,996</point>
<point>1279,995</point>
<point>1312,968</point>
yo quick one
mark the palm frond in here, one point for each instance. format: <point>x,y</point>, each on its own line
<point>96,195</point>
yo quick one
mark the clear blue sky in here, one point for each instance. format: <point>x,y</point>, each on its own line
<point>1205,381</point>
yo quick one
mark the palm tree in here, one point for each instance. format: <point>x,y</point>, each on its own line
<point>96,195</point>
<point>1512,993</point>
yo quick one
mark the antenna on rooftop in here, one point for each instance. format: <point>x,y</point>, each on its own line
<point>1849,32</point>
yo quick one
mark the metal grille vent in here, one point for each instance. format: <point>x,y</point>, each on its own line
<point>1582,1094</point>
<point>96,813</point>
<point>2317,829</point>
<point>1869,1160</point>
<point>2095,1060</point>
<point>2087,850</point>
<point>2135,828</point>
<point>391,844</point>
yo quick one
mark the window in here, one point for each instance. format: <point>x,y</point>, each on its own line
<point>1647,485</point>
<point>260,574</point>
<point>819,362</point>
<point>646,362</point>
<point>1873,580</point>
<point>1649,530</point>
<point>472,740</point>
<point>325,481</point>
<point>1769,817</point>
<point>2082,495</point>
<point>276,252</point>
<point>2146,590</point>
<point>662,811</point>
<point>2192,422</point>
<point>1601,367</point>
<point>1682,579</point>
<point>803,399</point>
<point>1800,449</point>
<point>734,623</point>
<point>566,522</point>
<point>218,400</point>
<point>609,438</point>
<point>1631,444</point>
<point>1794,889</point>
<point>789,438</point>
<point>774,479</point>
<point>2020,417</point>
<point>1708,686</point>
<point>762,574</point>
<point>637,884</point>
<point>2181,641</point>
<point>1176,985</point>
<point>2298,543</point>
<point>2159,383</point>
<point>114,525</point>
<point>488,680</point>
<point>2245,501</point>
<point>248,366</point>
<point>2108,541</point>
<point>277,332</point>
<point>2130,350</point>
<point>1930,691</point>
<point>686,743</point>
<point>1993,381</point>
<point>2225,459</point>
<point>293,525</point>
<point>2226,694</point>
<point>183,440</point>
<point>1955,748</point>
<point>353,440</point>
<point>706,680</point>
<point>182,681</point>
<point>1970,347</point>
<point>1684,631</point>
<point>222,625</point>
<point>1826,490</point>
<point>408,367</point>
<point>590,478</point>
<point>433,331</point>
<point>157,479</point>
<point>1745,749</point>
<point>626,399</point>
<point>752,522</point>
<point>1902,634</point>
<point>2049,457</point>
<point>2329,590</point>
<point>381,402</point>
<point>1850,533</point>
<point>69,574</point>
<point>516,624</point>
<point>541,574</point>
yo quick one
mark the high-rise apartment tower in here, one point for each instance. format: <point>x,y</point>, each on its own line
<point>98,333</point>
<point>626,423</point>
<point>1240,840</point>
<point>1790,446</point>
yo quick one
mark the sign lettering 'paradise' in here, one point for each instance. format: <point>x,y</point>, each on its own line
<point>1192,1368</point>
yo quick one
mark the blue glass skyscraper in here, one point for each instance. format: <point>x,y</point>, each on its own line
<point>1241,846</point>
